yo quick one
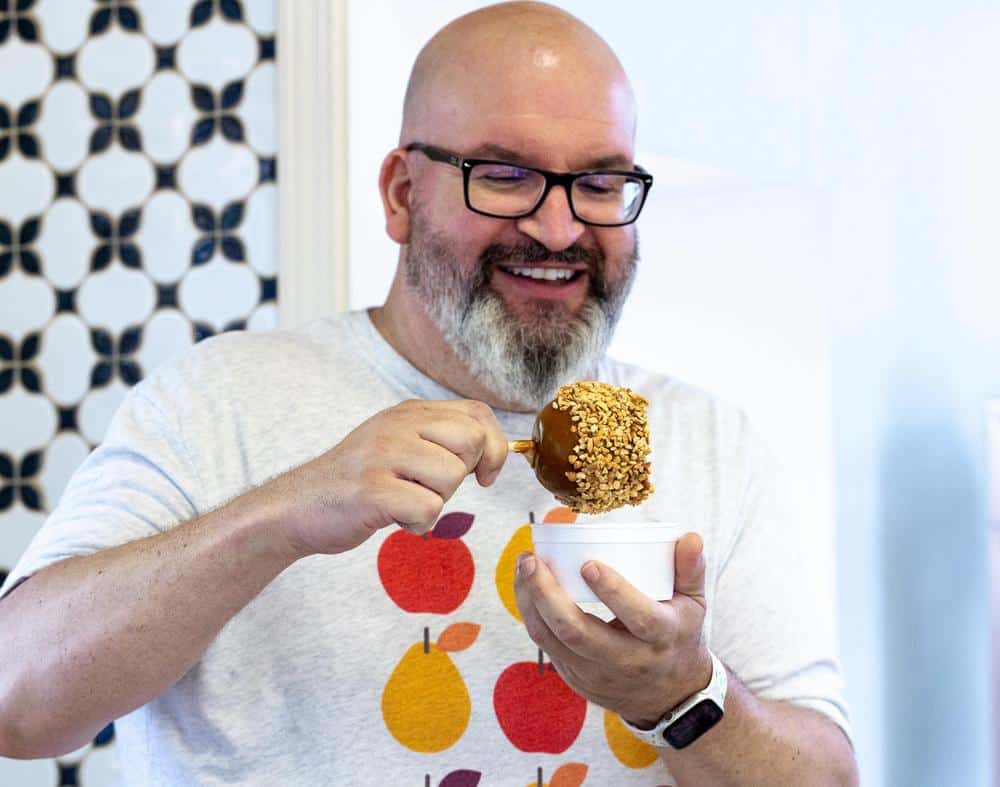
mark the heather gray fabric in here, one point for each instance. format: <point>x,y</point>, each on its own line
<point>290,692</point>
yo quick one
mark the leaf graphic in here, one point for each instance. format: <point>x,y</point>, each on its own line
<point>571,774</point>
<point>458,636</point>
<point>560,516</point>
<point>453,525</point>
<point>462,778</point>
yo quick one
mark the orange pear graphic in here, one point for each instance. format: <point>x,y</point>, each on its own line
<point>425,702</point>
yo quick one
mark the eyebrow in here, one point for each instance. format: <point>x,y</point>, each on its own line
<point>490,150</point>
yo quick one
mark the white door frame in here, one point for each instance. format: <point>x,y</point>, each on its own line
<point>312,159</point>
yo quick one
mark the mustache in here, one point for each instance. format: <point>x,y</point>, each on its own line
<point>535,252</point>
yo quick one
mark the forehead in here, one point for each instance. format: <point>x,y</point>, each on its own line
<point>561,109</point>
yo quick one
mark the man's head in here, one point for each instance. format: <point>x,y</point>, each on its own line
<point>526,303</point>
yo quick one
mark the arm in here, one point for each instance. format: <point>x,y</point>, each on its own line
<point>650,659</point>
<point>94,637</point>
<point>761,742</point>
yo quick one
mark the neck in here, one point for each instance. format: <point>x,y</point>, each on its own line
<point>405,325</point>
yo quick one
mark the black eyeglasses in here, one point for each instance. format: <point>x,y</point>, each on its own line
<point>503,190</point>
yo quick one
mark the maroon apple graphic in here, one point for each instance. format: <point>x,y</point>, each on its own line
<point>537,711</point>
<point>429,573</point>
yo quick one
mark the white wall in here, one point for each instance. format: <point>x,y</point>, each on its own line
<point>819,247</point>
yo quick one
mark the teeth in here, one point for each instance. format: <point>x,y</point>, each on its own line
<point>548,274</point>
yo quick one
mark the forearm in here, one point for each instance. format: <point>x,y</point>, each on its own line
<point>92,638</point>
<point>760,743</point>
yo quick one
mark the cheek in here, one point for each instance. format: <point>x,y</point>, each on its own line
<point>618,246</point>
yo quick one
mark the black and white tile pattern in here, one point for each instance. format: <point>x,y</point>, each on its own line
<point>138,215</point>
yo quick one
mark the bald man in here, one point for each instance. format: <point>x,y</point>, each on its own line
<point>244,575</point>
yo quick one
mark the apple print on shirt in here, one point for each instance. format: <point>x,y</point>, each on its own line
<point>432,572</point>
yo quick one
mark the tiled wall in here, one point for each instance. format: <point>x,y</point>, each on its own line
<point>138,214</point>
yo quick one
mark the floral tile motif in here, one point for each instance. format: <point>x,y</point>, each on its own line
<point>138,215</point>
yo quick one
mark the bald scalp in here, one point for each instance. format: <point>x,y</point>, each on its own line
<point>507,41</point>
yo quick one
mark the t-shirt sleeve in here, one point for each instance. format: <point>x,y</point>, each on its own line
<point>139,482</point>
<point>774,619</point>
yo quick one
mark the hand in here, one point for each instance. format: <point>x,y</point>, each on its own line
<point>642,664</point>
<point>400,465</point>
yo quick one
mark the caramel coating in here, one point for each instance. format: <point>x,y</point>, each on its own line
<point>554,439</point>
<point>590,447</point>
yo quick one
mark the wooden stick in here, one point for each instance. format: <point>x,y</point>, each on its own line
<point>520,446</point>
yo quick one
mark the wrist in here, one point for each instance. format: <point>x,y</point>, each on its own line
<point>271,520</point>
<point>692,718</point>
<point>697,677</point>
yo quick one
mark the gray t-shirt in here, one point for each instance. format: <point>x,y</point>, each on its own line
<point>401,663</point>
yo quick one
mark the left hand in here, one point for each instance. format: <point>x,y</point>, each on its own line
<point>642,664</point>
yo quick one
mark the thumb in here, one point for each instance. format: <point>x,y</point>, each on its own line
<point>689,567</point>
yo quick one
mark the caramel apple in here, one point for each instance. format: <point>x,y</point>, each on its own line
<point>589,447</point>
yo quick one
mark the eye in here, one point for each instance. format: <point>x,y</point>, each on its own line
<point>501,174</point>
<point>600,185</point>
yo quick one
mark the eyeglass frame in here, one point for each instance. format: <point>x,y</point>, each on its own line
<point>564,179</point>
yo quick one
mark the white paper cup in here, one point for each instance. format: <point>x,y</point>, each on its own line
<point>642,552</point>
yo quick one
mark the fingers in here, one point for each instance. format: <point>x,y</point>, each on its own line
<point>689,567</point>
<point>492,441</point>
<point>554,621</point>
<point>644,618</point>
<point>431,466</point>
<point>412,506</point>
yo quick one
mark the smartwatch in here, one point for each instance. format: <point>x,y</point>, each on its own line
<point>692,718</point>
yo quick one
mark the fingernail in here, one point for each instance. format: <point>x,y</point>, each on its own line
<point>590,572</point>
<point>526,566</point>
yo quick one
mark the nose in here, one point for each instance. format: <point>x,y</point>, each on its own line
<point>553,224</point>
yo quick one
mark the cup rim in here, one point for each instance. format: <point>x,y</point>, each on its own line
<point>613,532</point>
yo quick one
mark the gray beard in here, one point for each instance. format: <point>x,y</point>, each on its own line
<point>521,361</point>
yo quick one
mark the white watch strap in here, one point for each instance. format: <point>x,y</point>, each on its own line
<point>715,691</point>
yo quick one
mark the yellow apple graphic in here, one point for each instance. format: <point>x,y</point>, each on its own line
<point>521,542</point>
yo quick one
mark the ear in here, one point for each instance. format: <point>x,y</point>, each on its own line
<point>394,184</point>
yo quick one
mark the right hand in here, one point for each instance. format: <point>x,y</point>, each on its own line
<point>400,465</point>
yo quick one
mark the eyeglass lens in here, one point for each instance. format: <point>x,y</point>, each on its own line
<point>508,190</point>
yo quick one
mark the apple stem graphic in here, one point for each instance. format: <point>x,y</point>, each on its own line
<point>427,640</point>
<point>539,777</point>
<point>427,780</point>
<point>531,517</point>
<point>541,662</point>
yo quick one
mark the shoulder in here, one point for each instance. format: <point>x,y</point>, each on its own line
<point>231,364</point>
<point>242,353</point>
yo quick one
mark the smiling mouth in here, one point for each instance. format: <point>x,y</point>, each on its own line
<point>554,275</point>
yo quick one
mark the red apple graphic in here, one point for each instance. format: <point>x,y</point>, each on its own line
<point>537,711</point>
<point>429,573</point>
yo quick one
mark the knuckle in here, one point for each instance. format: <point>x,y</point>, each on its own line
<point>567,632</point>
<point>634,671</point>
<point>646,626</point>
<point>535,630</point>
<point>480,409</point>
<point>427,511</point>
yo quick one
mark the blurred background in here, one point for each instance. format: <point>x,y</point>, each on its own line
<point>820,247</point>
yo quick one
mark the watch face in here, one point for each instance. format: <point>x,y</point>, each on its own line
<point>693,724</point>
